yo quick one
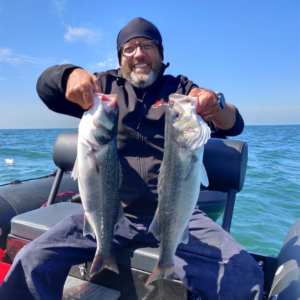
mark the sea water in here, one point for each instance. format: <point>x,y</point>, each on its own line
<point>264,210</point>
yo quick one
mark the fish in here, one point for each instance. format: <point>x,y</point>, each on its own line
<point>180,176</point>
<point>99,176</point>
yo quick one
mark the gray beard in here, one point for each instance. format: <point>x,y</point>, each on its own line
<point>141,81</point>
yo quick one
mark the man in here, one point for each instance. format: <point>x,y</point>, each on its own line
<point>212,265</point>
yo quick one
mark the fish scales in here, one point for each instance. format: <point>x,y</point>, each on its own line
<point>103,187</point>
<point>98,171</point>
<point>180,177</point>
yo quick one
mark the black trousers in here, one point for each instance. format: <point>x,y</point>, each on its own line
<point>212,265</point>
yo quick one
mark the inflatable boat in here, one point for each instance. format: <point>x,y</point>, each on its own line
<point>28,209</point>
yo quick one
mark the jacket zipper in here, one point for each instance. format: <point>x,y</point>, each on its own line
<point>141,141</point>
<point>142,159</point>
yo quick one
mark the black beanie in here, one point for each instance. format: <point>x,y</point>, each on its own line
<point>136,28</point>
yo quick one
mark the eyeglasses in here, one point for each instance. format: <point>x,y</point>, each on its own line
<point>146,47</point>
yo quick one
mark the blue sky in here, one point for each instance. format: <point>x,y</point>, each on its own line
<point>249,50</point>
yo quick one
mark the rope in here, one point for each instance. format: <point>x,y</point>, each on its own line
<point>52,174</point>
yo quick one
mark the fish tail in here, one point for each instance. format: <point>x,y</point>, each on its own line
<point>159,272</point>
<point>101,263</point>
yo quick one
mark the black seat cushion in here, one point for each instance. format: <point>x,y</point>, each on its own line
<point>31,225</point>
<point>34,223</point>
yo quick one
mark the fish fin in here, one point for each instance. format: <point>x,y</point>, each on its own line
<point>87,228</point>
<point>185,236</point>
<point>93,162</point>
<point>153,228</point>
<point>121,214</point>
<point>101,263</point>
<point>191,167</point>
<point>166,272</point>
<point>160,177</point>
<point>204,178</point>
<point>120,175</point>
<point>75,172</point>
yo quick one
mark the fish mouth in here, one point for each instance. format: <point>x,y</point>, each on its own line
<point>187,128</point>
<point>99,125</point>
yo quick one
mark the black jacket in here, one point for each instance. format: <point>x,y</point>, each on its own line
<point>140,138</point>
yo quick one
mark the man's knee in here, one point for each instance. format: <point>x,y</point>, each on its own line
<point>31,255</point>
<point>243,276</point>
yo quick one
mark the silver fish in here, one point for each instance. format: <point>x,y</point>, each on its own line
<point>98,171</point>
<point>181,174</point>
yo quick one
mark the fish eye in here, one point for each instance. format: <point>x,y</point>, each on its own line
<point>176,115</point>
<point>112,115</point>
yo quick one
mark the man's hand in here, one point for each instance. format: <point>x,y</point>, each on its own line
<point>209,109</point>
<point>80,88</point>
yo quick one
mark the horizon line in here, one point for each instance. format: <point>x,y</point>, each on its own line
<point>77,127</point>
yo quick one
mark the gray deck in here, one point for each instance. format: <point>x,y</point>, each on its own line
<point>75,289</point>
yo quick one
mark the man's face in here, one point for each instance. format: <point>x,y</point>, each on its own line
<point>141,69</point>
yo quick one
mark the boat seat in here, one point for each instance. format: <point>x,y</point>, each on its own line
<point>225,162</point>
<point>23,197</point>
<point>32,224</point>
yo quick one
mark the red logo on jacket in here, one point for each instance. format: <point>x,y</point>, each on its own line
<point>159,103</point>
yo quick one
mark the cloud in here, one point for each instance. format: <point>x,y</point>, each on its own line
<point>5,52</point>
<point>15,59</point>
<point>110,63</point>
<point>82,34</point>
<point>107,63</point>
<point>60,6</point>
<point>65,61</point>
